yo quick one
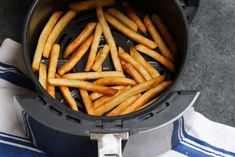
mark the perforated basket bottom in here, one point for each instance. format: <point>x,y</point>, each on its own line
<point>75,28</point>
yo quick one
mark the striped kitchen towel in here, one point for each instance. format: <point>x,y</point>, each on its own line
<point>192,135</point>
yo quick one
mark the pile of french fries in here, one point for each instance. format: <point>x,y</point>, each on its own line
<point>133,85</point>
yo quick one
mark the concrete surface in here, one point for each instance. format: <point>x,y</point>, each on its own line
<point>211,66</point>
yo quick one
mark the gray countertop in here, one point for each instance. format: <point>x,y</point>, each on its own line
<point>211,65</point>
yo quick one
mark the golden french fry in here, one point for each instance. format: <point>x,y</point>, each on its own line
<point>68,96</point>
<point>94,48</point>
<point>51,90</point>
<point>132,15</point>
<point>165,33</point>
<point>90,4</point>
<point>101,101</point>
<point>164,61</point>
<point>129,33</point>
<point>92,75</point>
<point>43,75</point>
<point>147,96</point>
<point>129,93</point>
<point>56,31</point>
<point>118,81</point>
<point>158,39</point>
<point>105,99</point>
<point>99,52</point>
<point>130,70</point>
<point>100,59</point>
<point>109,39</point>
<point>94,96</point>
<point>120,108</point>
<point>83,85</point>
<point>140,59</point>
<point>147,104</point>
<point>54,56</point>
<point>127,58</point>
<point>123,18</point>
<point>87,31</point>
<point>100,69</point>
<point>87,101</point>
<point>43,38</point>
<point>78,54</point>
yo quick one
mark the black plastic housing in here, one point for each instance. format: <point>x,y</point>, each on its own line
<point>58,121</point>
<point>170,11</point>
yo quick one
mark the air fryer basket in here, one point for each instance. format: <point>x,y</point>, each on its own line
<point>50,113</point>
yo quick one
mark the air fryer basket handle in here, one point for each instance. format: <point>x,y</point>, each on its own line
<point>110,145</point>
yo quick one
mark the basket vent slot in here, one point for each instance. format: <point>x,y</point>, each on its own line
<point>41,100</point>
<point>72,119</point>
<point>55,111</point>
<point>145,117</point>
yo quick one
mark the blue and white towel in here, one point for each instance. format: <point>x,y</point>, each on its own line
<point>192,135</point>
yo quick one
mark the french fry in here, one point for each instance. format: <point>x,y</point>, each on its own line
<point>43,75</point>
<point>101,101</point>
<point>140,59</point>
<point>56,31</point>
<point>94,48</point>
<point>132,15</point>
<point>158,39</point>
<point>165,33</point>
<point>120,108</point>
<point>129,93</point>
<point>51,90</point>
<point>94,96</point>
<point>99,52</point>
<point>147,104</point>
<point>129,33</point>
<point>54,56</point>
<point>109,39</point>
<point>127,58</point>
<point>130,70</point>
<point>105,99</point>
<point>100,69</point>
<point>90,4</point>
<point>147,96</point>
<point>83,85</point>
<point>68,96</point>
<point>87,101</point>
<point>118,81</point>
<point>78,54</point>
<point>123,19</point>
<point>87,31</point>
<point>92,75</point>
<point>164,61</point>
<point>43,38</point>
<point>100,59</point>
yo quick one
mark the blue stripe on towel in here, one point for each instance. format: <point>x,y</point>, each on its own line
<point>184,143</point>
<point>17,80</point>
<point>4,65</point>
<point>15,150</point>
<point>13,139</point>
<point>14,146</point>
<point>14,136</point>
<point>203,143</point>
<point>181,148</point>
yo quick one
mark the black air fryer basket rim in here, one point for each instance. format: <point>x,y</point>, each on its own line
<point>66,110</point>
